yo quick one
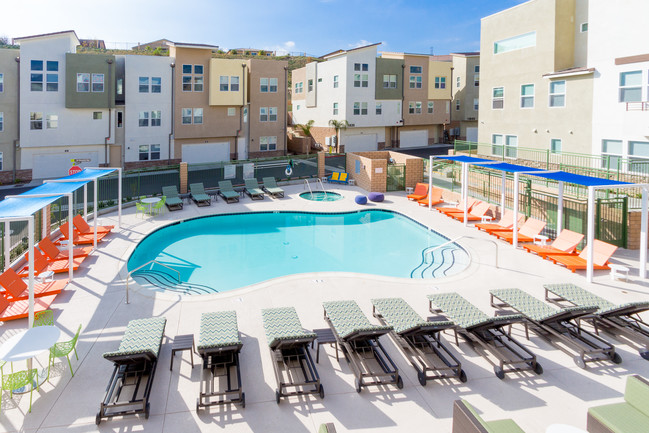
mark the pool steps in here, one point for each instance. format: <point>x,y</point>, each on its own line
<point>162,281</point>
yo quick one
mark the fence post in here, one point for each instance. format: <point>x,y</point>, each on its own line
<point>547,159</point>
<point>321,164</point>
<point>183,177</point>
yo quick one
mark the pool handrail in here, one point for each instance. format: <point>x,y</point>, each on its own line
<point>147,263</point>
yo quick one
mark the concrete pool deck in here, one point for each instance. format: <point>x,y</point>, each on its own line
<point>96,299</point>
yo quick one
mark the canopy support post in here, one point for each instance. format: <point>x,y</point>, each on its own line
<point>30,263</point>
<point>643,233</point>
<point>503,194</point>
<point>590,224</point>
<point>465,185</point>
<point>71,239</point>
<point>430,182</point>
<point>515,227</point>
<point>95,211</point>
<point>7,245</point>
<point>560,208</point>
<point>85,202</point>
<point>119,198</point>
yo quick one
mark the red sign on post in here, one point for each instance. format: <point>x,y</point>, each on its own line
<point>74,169</point>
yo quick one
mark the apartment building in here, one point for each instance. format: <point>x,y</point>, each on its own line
<point>466,97</point>
<point>9,114</point>
<point>391,100</point>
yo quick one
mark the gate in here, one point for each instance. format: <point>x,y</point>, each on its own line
<point>611,220</point>
<point>396,179</point>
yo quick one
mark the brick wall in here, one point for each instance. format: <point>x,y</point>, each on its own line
<point>146,164</point>
<point>265,154</point>
<point>321,165</point>
<point>633,230</point>
<point>183,177</point>
<point>6,177</point>
<point>299,145</point>
<point>414,167</point>
<point>368,178</point>
<point>320,132</point>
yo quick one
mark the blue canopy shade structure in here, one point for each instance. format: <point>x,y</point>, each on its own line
<point>88,174</point>
<point>578,179</point>
<point>55,188</point>
<point>463,158</point>
<point>509,168</point>
<point>24,207</point>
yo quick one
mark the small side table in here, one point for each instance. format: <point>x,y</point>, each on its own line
<point>409,190</point>
<point>324,336</point>
<point>486,218</point>
<point>352,182</point>
<point>619,272</point>
<point>182,343</point>
<point>45,276</point>
<point>541,240</point>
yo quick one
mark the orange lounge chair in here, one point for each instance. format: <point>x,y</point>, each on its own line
<point>79,239</point>
<point>601,254</point>
<point>459,208</point>
<point>84,228</point>
<point>16,289</point>
<point>19,309</point>
<point>478,210</point>
<point>506,222</point>
<point>526,233</point>
<point>564,244</point>
<point>53,253</point>
<point>42,264</point>
<point>436,198</point>
<point>419,193</point>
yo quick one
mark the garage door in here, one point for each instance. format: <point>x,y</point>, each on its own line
<point>53,165</point>
<point>472,134</point>
<point>413,139</point>
<point>360,143</point>
<point>206,152</point>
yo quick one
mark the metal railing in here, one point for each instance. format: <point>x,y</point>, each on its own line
<point>128,277</point>
<point>637,106</point>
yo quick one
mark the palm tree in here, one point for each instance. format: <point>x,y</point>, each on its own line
<point>338,125</point>
<point>306,128</point>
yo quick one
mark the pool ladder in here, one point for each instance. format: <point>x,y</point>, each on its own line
<point>308,185</point>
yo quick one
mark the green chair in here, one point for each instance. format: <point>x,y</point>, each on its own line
<point>158,208</point>
<point>173,199</point>
<point>198,195</point>
<point>271,188</point>
<point>44,318</point>
<point>142,208</point>
<point>628,416</point>
<point>59,350</point>
<point>18,380</point>
<point>466,419</point>
<point>253,190</point>
<point>227,191</point>
<point>142,197</point>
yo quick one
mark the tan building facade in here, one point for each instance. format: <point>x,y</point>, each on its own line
<point>465,104</point>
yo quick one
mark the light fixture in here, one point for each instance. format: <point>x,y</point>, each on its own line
<point>535,130</point>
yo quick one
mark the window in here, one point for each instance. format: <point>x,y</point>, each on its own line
<point>299,87</point>
<point>52,121</point>
<point>83,82</point>
<point>144,152</point>
<point>515,43</point>
<point>2,83</point>
<point>272,114</point>
<point>584,27</point>
<point>231,111</point>
<point>187,116</point>
<point>361,67</point>
<point>415,69</point>
<point>309,86</point>
<point>557,94</point>
<point>263,85</point>
<point>417,107</point>
<point>224,83</point>
<point>357,108</point>
<point>457,82</point>
<point>187,69</point>
<point>234,84</point>
<point>144,84</point>
<point>51,77</point>
<point>527,96</point>
<point>415,81</point>
<point>267,143</point>
<point>36,65</point>
<point>156,118</point>
<point>498,98</point>
<point>2,121</point>
<point>476,68</point>
<point>361,80</point>
<point>35,121</point>
<point>198,83</point>
<point>639,156</point>
<point>198,69</point>
<point>476,80</point>
<point>198,116</point>
<point>631,86</point>
<point>187,83</point>
<point>120,86</point>
<point>431,107</point>
<point>440,82</point>
<point>335,81</point>
<point>263,114</point>
<point>364,108</point>
<point>555,145</point>
<point>612,152</point>
<point>268,85</point>
<point>475,104</point>
<point>52,82</point>
<point>457,105</point>
<point>511,146</point>
<point>273,85</point>
<point>156,85</point>
<point>335,110</point>
<point>497,145</point>
<point>144,118</point>
<point>411,108</point>
<point>97,115</point>
<point>1,161</point>
<point>36,76</point>
<point>390,81</point>
<point>155,151</point>
<point>120,119</point>
<point>379,108</point>
<point>98,83</point>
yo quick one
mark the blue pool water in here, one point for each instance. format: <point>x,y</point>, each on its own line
<point>321,196</point>
<point>226,252</point>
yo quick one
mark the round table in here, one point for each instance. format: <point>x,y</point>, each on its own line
<point>563,428</point>
<point>150,201</point>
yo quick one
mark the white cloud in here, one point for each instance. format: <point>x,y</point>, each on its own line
<point>286,48</point>
<point>360,43</point>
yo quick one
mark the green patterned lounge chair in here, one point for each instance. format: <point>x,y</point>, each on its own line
<point>419,340</point>
<point>616,319</point>
<point>467,420</point>
<point>629,416</point>
<point>227,191</point>
<point>359,340</point>
<point>500,349</point>
<point>219,345</point>
<point>295,371</point>
<point>198,195</point>
<point>253,190</point>
<point>271,188</point>
<point>135,364</point>
<point>173,200</point>
<point>559,326</point>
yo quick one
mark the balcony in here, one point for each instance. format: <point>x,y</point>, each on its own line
<point>637,106</point>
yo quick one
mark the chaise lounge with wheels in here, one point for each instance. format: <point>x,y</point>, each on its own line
<point>271,188</point>
<point>526,233</point>
<point>173,200</point>
<point>359,340</point>
<point>601,254</point>
<point>459,208</point>
<point>565,243</point>
<point>198,195</point>
<point>43,264</point>
<point>630,416</point>
<point>478,211</point>
<point>227,191</point>
<point>54,253</point>
<point>80,239</point>
<point>467,420</point>
<point>19,308</point>
<point>506,222</point>
<point>288,342</point>
<point>219,345</point>
<point>619,320</point>
<point>419,341</point>
<point>253,190</point>
<point>419,193</point>
<point>135,363</point>
<point>17,290</point>
<point>499,348</point>
<point>434,199</point>
<point>559,327</point>
<point>85,229</point>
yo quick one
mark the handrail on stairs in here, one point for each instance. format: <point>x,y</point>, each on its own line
<point>148,263</point>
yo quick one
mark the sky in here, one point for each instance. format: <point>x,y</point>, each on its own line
<point>315,27</point>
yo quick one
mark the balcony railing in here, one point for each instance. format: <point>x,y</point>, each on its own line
<point>637,106</point>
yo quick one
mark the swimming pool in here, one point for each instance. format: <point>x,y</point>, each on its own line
<point>321,196</point>
<point>226,252</point>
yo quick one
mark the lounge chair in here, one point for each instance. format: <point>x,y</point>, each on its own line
<point>173,201</point>
<point>271,188</point>
<point>289,349</point>
<point>478,211</point>
<point>43,264</point>
<point>327,428</point>
<point>435,198</point>
<point>618,320</point>
<point>565,243</point>
<point>54,253</point>
<point>85,229</point>
<point>338,177</point>
<point>79,239</point>
<point>601,254</point>
<point>227,191</point>
<point>17,290</point>
<point>467,420</point>
<point>20,309</point>
<point>359,340</point>
<point>526,233</point>
<point>135,362</point>
<point>560,327</point>
<point>419,193</point>
<point>506,222</point>
<point>630,416</point>
<point>500,349</point>
<point>158,207</point>
<point>459,208</point>
<point>253,190</point>
<point>198,195</point>
<point>419,340</point>
<point>219,345</point>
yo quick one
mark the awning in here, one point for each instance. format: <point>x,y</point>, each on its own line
<point>578,179</point>
<point>509,168</point>
<point>24,207</point>
<point>87,174</point>
<point>55,188</point>
<point>464,158</point>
